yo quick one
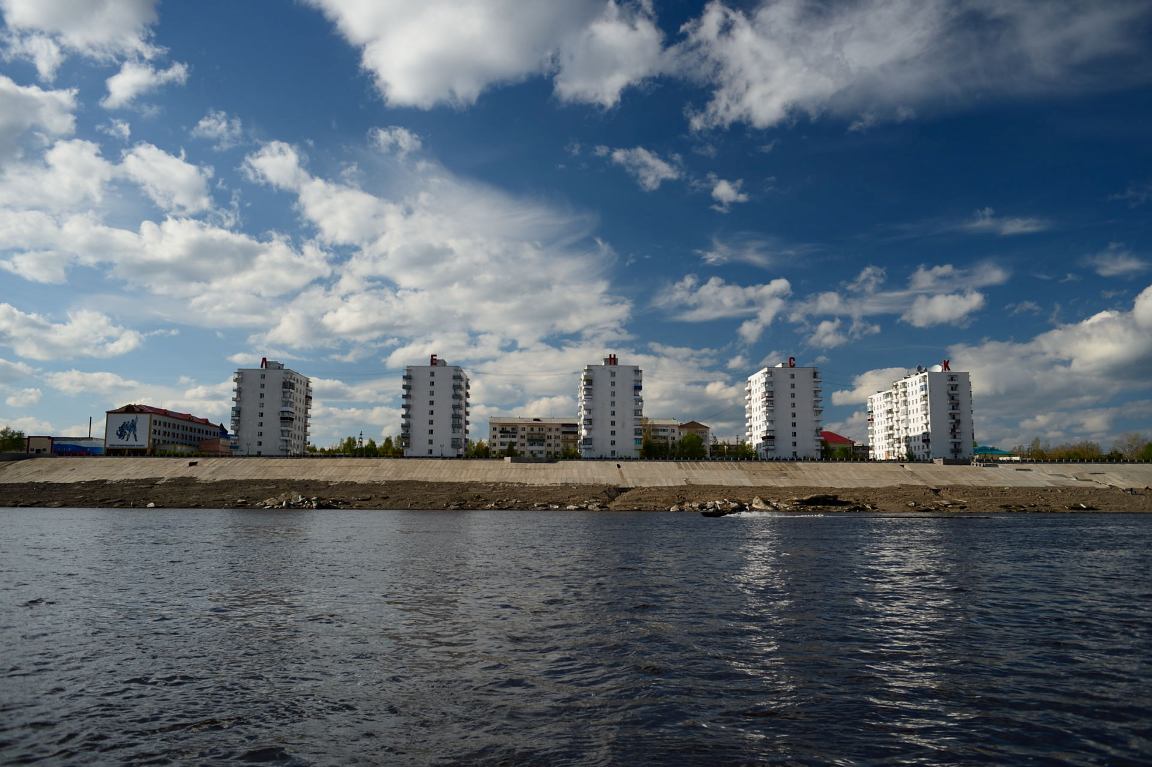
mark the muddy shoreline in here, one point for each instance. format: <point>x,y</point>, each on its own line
<point>189,493</point>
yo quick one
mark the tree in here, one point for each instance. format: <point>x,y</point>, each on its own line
<point>11,440</point>
<point>692,446</point>
<point>370,449</point>
<point>1133,446</point>
<point>477,449</point>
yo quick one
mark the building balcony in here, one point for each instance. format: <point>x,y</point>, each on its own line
<point>406,387</point>
<point>406,396</point>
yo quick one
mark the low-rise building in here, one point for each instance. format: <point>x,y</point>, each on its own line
<point>534,437</point>
<point>147,430</point>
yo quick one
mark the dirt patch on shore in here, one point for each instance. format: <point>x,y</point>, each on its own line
<point>189,493</point>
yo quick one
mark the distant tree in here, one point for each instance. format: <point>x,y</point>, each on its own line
<point>510,451</point>
<point>370,449</point>
<point>347,446</point>
<point>478,449</point>
<point>652,449</point>
<point>11,440</point>
<point>692,447</point>
<point>1132,446</point>
<point>569,454</point>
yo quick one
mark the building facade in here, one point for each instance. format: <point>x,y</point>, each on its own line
<point>663,435</point>
<point>270,410</point>
<point>783,407</point>
<point>534,437</point>
<point>147,430</point>
<point>611,408</point>
<point>434,410</point>
<point>925,415</point>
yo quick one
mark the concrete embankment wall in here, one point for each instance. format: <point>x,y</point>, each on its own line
<point>625,474</point>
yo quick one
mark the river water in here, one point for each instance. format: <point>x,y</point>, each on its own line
<point>573,638</point>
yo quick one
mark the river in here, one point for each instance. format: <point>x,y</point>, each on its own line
<point>573,638</point>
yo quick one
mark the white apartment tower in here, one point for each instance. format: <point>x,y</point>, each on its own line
<point>783,406</point>
<point>925,415</point>
<point>434,420</point>
<point>270,410</point>
<point>611,406</point>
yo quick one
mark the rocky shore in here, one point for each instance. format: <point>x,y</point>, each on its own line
<point>313,494</point>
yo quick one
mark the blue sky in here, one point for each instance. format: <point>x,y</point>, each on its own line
<point>701,188</point>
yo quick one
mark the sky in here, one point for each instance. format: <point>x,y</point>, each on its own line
<point>702,189</point>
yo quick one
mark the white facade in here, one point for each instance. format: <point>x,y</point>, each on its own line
<point>434,420</point>
<point>533,437</point>
<point>783,406</point>
<point>925,415</point>
<point>147,430</point>
<point>270,410</point>
<point>611,407</point>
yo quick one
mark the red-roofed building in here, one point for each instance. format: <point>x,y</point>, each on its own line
<point>838,446</point>
<point>147,430</point>
<point>832,439</point>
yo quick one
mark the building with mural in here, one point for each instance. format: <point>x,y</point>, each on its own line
<point>147,430</point>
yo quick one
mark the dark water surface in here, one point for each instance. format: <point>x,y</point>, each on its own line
<point>153,637</point>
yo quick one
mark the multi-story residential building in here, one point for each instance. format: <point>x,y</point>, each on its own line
<point>611,406</point>
<point>783,406</point>
<point>923,416</point>
<point>147,430</point>
<point>665,434</point>
<point>270,410</point>
<point>534,437</point>
<point>434,413</point>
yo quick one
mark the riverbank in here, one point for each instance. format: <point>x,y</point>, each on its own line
<point>407,494</point>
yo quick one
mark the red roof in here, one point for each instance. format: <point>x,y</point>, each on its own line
<point>161,411</point>
<point>832,438</point>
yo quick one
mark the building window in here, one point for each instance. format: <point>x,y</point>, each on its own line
<point>259,443</point>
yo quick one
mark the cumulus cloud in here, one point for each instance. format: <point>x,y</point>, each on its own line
<point>430,264</point>
<point>171,182</point>
<point>137,78</point>
<point>621,47</point>
<point>438,52</point>
<point>72,176</point>
<point>395,139</point>
<point>26,109</point>
<point>689,300</point>
<point>84,334</point>
<point>23,398</point>
<point>941,309</point>
<point>934,295</point>
<point>879,58</point>
<point>866,384</point>
<point>1074,367</point>
<point>648,168</point>
<point>727,193</point>
<point>223,131</point>
<point>102,29</point>
<point>1116,261</point>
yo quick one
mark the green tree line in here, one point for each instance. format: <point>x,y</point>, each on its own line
<point>1130,447</point>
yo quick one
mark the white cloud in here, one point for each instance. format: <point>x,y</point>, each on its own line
<point>986,221</point>
<point>23,398</point>
<point>136,78</point>
<point>85,334</point>
<point>15,372</point>
<point>430,265</point>
<point>691,301</point>
<point>867,384</point>
<point>174,184</point>
<point>619,48</point>
<point>120,129</point>
<point>28,109</point>
<point>648,168</point>
<point>72,176</point>
<point>92,27</point>
<point>44,53</point>
<point>935,295</point>
<point>209,401</point>
<point>1072,368</point>
<point>441,52</point>
<point>942,309</point>
<point>395,138</point>
<point>223,131</point>
<point>1116,261</point>
<point>880,58</point>
<point>727,193</point>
